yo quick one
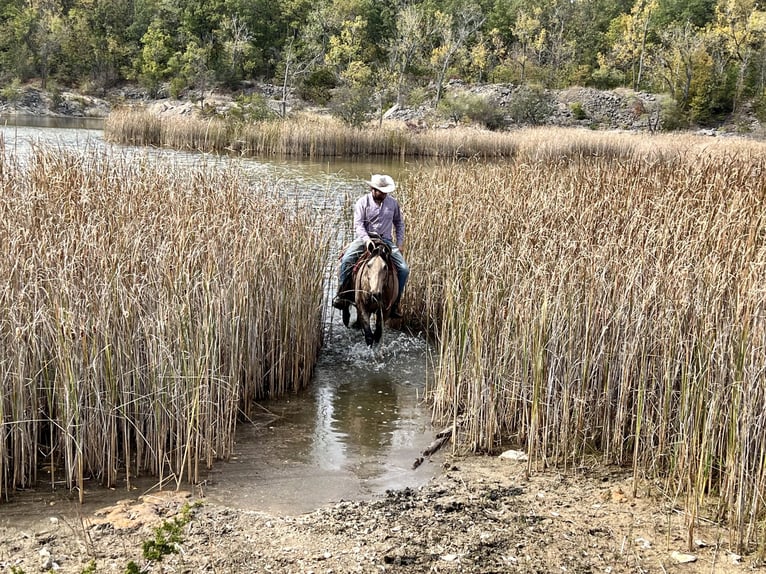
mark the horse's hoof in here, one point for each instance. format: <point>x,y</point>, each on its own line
<point>346,316</point>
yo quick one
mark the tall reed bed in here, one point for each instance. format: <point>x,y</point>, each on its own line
<point>303,136</point>
<point>143,306</point>
<point>609,302</point>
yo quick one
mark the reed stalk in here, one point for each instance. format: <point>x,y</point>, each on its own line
<point>303,136</point>
<point>143,308</point>
<point>603,294</point>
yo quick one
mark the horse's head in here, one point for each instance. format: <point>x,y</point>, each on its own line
<point>377,270</point>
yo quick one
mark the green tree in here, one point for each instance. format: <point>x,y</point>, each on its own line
<point>453,30</point>
<point>740,28</point>
<point>630,32</point>
<point>530,40</point>
<point>682,61</point>
<point>155,55</point>
<point>406,47</point>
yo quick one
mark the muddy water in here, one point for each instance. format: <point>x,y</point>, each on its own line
<point>353,434</point>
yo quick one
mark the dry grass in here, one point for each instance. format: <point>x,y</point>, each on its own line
<point>141,310</point>
<point>605,295</point>
<point>304,136</point>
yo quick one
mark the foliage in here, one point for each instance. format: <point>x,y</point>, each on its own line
<point>252,108</point>
<point>418,96</point>
<point>12,91</point>
<point>352,105</point>
<point>317,86</point>
<point>707,54</point>
<point>167,536</point>
<point>671,116</point>
<point>530,104</point>
<point>578,112</point>
<point>462,105</point>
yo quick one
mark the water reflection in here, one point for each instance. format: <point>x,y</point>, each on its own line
<point>61,123</point>
<point>354,434</point>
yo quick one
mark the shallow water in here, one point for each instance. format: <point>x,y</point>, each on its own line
<point>354,433</point>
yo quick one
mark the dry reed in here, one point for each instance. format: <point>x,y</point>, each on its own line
<point>304,136</point>
<point>142,310</point>
<point>604,296</point>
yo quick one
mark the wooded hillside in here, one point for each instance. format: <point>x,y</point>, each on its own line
<point>708,56</point>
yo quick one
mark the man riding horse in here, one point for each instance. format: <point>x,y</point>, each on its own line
<point>376,213</point>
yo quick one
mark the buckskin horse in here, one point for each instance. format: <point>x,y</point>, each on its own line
<point>376,287</point>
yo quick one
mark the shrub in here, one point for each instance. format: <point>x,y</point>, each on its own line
<point>352,105</point>
<point>461,106</point>
<point>418,96</point>
<point>670,115</point>
<point>11,93</point>
<point>530,105</point>
<point>252,108</point>
<point>317,86</point>
<point>578,112</point>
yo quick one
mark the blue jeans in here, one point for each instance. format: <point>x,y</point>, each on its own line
<point>354,251</point>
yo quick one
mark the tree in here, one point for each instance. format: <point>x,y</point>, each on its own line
<point>741,29</point>
<point>630,46</point>
<point>155,55</point>
<point>454,31</point>
<point>413,26</point>
<point>530,38</point>
<point>237,58</point>
<point>680,56</point>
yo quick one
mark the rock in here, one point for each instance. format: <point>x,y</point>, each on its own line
<point>681,558</point>
<point>513,455</point>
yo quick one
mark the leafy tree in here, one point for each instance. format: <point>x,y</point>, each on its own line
<point>238,59</point>
<point>155,55</point>
<point>740,29</point>
<point>530,104</point>
<point>352,104</point>
<point>454,31</point>
<point>695,13</point>
<point>530,39</point>
<point>17,50</point>
<point>413,26</point>
<point>630,33</point>
<point>681,61</point>
<point>462,106</point>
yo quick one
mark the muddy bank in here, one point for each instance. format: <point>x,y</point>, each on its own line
<point>481,516</point>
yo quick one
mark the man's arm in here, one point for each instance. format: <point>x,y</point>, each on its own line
<point>360,216</point>
<point>399,226</point>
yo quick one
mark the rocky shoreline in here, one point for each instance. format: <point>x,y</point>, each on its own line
<point>619,109</point>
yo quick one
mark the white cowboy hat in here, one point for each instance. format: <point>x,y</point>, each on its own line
<point>384,183</point>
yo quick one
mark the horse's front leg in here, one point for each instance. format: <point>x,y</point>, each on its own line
<point>378,324</point>
<point>364,319</point>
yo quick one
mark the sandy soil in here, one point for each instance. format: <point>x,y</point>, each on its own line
<point>481,515</point>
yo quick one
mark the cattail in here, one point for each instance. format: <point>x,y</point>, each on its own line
<point>143,308</point>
